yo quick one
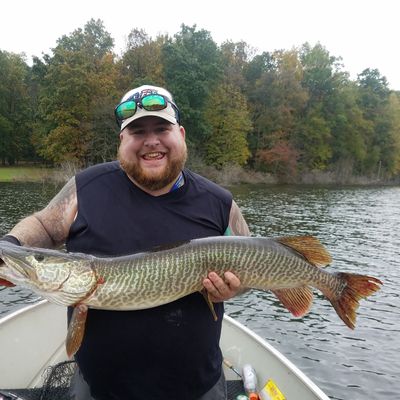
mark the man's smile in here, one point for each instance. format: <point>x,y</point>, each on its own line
<point>155,155</point>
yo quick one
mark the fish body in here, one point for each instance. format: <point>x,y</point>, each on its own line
<point>289,267</point>
<point>150,279</point>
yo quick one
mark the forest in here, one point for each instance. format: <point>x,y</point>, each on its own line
<point>285,112</point>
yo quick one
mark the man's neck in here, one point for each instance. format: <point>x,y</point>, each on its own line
<point>175,184</point>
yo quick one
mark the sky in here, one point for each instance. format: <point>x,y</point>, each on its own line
<point>364,33</point>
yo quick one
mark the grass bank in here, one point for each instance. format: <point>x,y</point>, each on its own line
<point>229,175</point>
<point>25,174</point>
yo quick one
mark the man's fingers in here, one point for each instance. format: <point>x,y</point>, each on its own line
<point>232,281</point>
<point>221,288</point>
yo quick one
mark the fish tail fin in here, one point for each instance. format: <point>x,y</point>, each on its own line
<point>309,247</point>
<point>356,288</point>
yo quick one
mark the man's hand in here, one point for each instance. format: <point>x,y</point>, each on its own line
<point>221,288</point>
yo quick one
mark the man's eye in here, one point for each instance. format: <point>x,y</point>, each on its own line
<point>162,129</point>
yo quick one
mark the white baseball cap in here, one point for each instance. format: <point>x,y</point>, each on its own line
<point>170,113</point>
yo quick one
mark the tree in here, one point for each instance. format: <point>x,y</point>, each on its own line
<point>229,120</point>
<point>15,109</point>
<point>280,159</point>
<point>93,41</point>
<point>348,130</point>
<point>391,150</point>
<point>235,58</point>
<point>142,61</point>
<point>192,69</point>
<point>79,82</point>
<point>313,141</point>
<point>321,71</point>
<point>323,79</point>
<point>373,99</point>
<point>277,100</point>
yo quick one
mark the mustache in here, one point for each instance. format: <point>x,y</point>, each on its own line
<point>151,180</point>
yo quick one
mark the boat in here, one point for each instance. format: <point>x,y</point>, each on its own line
<point>32,350</point>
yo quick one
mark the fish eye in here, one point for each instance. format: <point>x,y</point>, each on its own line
<point>39,257</point>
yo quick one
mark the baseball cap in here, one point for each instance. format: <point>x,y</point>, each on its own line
<point>131,106</point>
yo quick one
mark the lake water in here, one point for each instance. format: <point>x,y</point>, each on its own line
<point>360,228</point>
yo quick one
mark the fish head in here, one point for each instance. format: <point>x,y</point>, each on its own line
<point>65,278</point>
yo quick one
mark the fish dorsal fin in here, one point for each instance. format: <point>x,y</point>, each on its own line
<point>309,247</point>
<point>297,300</point>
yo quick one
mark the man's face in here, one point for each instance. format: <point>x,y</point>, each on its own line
<point>152,152</point>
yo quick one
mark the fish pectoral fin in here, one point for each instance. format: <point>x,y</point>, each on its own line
<point>76,329</point>
<point>297,300</point>
<point>309,247</point>
<point>210,304</point>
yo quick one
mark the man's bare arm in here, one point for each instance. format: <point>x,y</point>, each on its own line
<point>237,224</point>
<point>50,226</point>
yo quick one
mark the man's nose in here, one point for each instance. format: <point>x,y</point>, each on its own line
<point>151,139</point>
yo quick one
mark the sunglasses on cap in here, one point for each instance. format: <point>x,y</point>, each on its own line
<point>150,102</point>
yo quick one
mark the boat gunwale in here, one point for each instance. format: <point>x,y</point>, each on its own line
<point>282,358</point>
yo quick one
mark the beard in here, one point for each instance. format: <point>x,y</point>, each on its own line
<point>151,180</point>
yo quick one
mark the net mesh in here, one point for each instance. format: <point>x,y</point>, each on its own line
<point>57,380</point>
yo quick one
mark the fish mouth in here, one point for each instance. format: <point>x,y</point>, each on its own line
<point>15,268</point>
<point>14,272</point>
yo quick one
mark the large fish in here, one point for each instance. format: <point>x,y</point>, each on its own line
<point>288,266</point>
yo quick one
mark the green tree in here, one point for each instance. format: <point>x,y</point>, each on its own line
<point>277,100</point>
<point>391,150</point>
<point>313,141</point>
<point>192,68</point>
<point>77,98</point>
<point>235,58</point>
<point>229,119</point>
<point>15,109</point>
<point>323,79</point>
<point>321,72</point>
<point>373,99</point>
<point>142,61</point>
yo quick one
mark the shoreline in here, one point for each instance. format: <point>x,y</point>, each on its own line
<point>228,176</point>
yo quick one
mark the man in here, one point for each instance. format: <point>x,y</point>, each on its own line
<point>146,199</point>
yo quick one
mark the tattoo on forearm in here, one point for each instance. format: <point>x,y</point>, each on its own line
<point>237,223</point>
<point>63,198</point>
<point>57,217</point>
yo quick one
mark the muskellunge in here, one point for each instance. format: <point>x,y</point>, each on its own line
<point>288,266</point>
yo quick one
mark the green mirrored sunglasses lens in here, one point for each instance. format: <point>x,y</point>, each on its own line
<point>153,102</point>
<point>126,110</point>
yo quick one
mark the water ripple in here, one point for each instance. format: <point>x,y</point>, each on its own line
<point>360,227</point>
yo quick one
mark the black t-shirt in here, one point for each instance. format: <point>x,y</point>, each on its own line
<point>166,352</point>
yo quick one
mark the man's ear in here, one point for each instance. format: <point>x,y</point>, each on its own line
<point>183,132</point>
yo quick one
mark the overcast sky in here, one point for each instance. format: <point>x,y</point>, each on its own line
<point>365,33</point>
